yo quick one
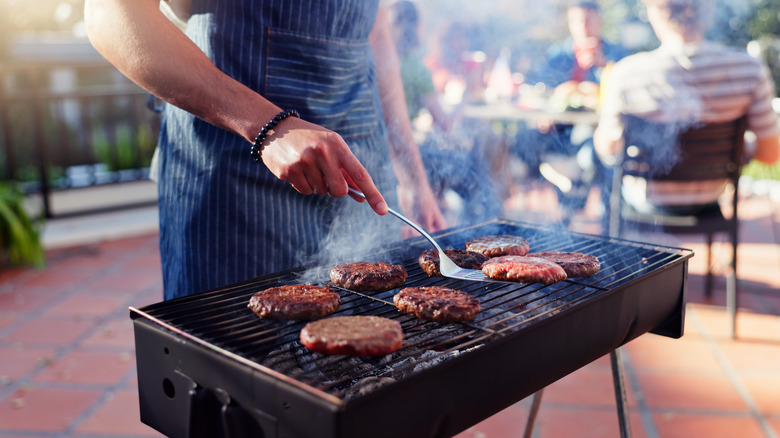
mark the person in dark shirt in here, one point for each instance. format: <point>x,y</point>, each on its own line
<point>563,153</point>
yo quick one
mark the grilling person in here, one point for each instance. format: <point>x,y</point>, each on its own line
<point>685,81</point>
<point>311,89</point>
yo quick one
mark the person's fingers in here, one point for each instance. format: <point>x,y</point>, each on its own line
<point>357,176</point>
<point>352,184</point>
<point>315,160</point>
<point>317,182</point>
<point>334,178</point>
<point>315,176</point>
<point>301,185</point>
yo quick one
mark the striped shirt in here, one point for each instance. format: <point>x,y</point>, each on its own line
<point>703,82</point>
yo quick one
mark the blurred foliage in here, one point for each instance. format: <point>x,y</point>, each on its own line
<point>766,19</point>
<point>20,242</point>
<point>758,170</point>
<point>119,142</point>
<point>124,148</point>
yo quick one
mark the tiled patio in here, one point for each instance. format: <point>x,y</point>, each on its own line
<point>67,366</point>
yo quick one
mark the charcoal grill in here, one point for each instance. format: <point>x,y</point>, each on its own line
<point>207,366</point>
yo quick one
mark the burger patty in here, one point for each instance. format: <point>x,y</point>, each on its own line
<point>429,260</point>
<point>574,263</point>
<point>295,302</point>
<point>523,269</point>
<point>501,245</point>
<point>353,335</point>
<point>437,303</point>
<point>368,276</point>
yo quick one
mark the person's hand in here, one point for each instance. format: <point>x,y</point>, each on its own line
<point>592,57</point>
<point>316,160</point>
<point>419,203</point>
<point>544,124</point>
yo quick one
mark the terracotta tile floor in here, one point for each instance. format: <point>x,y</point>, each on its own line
<point>67,351</point>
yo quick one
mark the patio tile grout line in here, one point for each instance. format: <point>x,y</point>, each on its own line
<point>63,295</point>
<point>61,350</point>
<point>732,376</point>
<point>108,393</point>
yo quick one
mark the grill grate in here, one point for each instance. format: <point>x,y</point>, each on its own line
<point>220,319</point>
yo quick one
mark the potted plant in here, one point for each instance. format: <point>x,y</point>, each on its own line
<point>20,242</point>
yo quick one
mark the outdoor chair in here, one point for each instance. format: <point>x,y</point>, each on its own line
<point>703,152</point>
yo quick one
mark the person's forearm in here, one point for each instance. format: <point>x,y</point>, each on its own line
<point>407,162</point>
<point>145,46</point>
<point>440,117</point>
<point>607,148</point>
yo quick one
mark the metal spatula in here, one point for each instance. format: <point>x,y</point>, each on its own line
<point>447,267</point>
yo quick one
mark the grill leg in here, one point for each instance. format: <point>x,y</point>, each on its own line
<point>620,393</point>
<point>731,303</point>
<point>731,284</point>
<point>708,279</point>
<point>536,401</point>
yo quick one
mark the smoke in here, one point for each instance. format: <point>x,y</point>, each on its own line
<point>354,231</point>
<point>354,236</point>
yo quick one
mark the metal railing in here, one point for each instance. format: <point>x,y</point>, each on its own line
<point>66,126</point>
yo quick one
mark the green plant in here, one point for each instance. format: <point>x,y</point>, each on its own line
<point>127,149</point>
<point>759,170</point>
<point>20,242</point>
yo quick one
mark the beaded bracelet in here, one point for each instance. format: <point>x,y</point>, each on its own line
<point>257,146</point>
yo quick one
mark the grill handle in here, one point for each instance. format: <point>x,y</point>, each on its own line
<point>214,415</point>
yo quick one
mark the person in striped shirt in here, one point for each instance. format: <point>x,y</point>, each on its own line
<point>687,80</point>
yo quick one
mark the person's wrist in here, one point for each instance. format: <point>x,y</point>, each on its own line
<point>258,144</point>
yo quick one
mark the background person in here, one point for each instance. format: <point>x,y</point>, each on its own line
<point>573,70</point>
<point>224,217</point>
<point>454,163</point>
<point>416,77</point>
<point>686,81</point>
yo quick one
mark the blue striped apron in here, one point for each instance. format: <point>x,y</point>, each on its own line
<point>225,218</point>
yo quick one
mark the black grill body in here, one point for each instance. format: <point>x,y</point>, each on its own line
<point>207,366</point>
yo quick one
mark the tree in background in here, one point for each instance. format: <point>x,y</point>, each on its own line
<point>764,28</point>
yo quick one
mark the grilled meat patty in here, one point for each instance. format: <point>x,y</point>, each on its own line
<point>295,302</point>
<point>429,260</point>
<point>368,276</point>
<point>523,269</point>
<point>574,263</point>
<point>437,303</point>
<point>496,246</point>
<point>353,335</point>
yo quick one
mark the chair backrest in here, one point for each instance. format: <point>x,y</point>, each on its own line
<point>707,151</point>
<point>664,152</point>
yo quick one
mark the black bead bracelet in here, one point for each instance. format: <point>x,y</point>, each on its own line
<point>257,146</point>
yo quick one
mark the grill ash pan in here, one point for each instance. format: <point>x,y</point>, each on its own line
<point>207,366</point>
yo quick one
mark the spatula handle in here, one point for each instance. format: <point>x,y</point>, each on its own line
<point>403,218</point>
